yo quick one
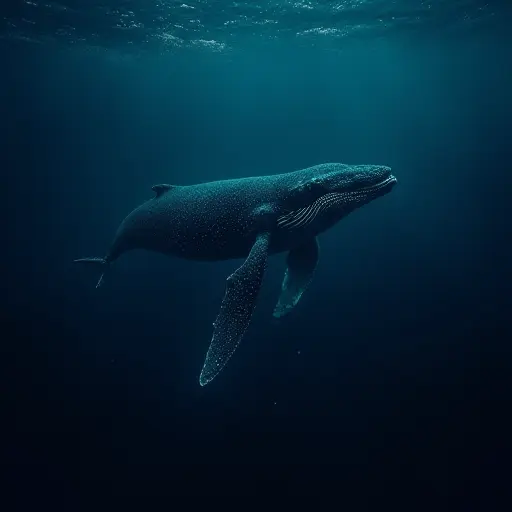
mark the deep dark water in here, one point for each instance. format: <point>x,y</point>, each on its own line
<point>380,377</point>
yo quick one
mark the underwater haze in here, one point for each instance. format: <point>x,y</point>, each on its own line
<point>377,379</point>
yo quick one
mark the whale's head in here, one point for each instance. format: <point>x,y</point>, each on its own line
<point>325,193</point>
<point>358,184</point>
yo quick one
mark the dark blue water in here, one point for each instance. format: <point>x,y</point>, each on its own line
<point>378,380</point>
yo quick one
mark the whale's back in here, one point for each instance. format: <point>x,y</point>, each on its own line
<point>208,221</point>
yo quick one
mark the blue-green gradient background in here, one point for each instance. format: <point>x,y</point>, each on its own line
<point>380,376</point>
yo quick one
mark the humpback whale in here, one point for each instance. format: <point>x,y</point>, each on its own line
<point>250,218</point>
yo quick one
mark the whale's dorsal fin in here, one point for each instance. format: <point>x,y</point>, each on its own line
<point>162,189</point>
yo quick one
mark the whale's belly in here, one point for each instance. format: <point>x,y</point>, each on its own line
<point>213,242</point>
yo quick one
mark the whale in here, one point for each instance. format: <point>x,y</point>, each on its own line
<point>249,218</point>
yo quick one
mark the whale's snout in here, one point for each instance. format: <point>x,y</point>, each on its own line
<point>385,181</point>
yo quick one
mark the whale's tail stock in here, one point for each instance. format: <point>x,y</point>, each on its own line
<point>100,263</point>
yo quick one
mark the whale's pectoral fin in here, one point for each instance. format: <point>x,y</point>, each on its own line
<point>301,264</point>
<point>242,289</point>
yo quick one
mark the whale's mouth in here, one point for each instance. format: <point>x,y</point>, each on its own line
<point>390,181</point>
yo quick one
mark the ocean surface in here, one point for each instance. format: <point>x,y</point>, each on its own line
<point>383,377</point>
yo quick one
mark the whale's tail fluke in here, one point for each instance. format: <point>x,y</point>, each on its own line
<point>100,263</point>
